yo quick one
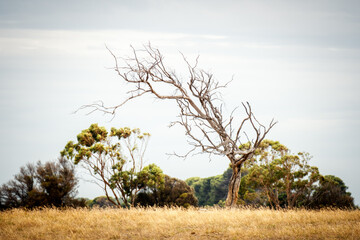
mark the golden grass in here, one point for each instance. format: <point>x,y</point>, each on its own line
<point>174,223</point>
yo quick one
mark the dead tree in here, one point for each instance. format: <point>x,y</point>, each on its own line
<point>200,105</point>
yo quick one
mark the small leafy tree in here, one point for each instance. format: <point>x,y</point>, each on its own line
<point>115,160</point>
<point>49,184</point>
<point>331,192</point>
<point>281,175</point>
<point>174,192</point>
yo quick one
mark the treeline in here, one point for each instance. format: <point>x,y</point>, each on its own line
<point>174,192</point>
<point>54,184</point>
<point>115,159</point>
<point>276,178</point>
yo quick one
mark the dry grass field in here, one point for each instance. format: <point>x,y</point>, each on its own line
<point>156,223</point>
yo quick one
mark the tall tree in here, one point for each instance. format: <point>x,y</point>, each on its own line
<point>115,160</point>
<point>200,108</point>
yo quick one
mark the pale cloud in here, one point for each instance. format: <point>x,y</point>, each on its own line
<point>84,43</point>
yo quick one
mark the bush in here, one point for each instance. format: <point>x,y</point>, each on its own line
<point>174,192</point>
<point>49,184</point>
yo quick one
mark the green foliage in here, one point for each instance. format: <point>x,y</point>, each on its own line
<point>100,202</point>
<point>49,184</point>
<point>151,176</point>
<point>115,159</point>
<point>280,175</point>
<point>331,192</point>
<point>173,192</point>
<point>209,191</point>
<point>275,177</point>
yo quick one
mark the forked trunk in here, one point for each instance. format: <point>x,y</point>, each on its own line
<point>234,186</point>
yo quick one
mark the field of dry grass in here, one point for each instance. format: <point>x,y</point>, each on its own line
<point>175,223</point>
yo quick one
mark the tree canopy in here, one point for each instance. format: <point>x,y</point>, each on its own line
<point>277,178</point>
<point>116,161</point>
<point>174,192</point>
<point>48,184</point>
<point>278,172</point>
<point>331,192</point>
<point>211,190</point>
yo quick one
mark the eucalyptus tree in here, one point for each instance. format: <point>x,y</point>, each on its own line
<point>116,161</point>
<point>209,129</point>
<point>275,170</point>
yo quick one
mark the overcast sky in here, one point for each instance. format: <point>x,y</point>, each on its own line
<point>295,61</point>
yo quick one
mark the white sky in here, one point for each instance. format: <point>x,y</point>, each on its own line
<point>295,61</point>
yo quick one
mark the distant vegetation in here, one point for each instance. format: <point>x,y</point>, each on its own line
<point>174,192</point>
<point>115,159</point>
<point>100,202</point>
<point>273,177</point>
<point>278,179</point>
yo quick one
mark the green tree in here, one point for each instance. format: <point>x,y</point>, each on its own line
<point>116,161</point>
<point>174,192</point>
<point>331,192</point>
<point>101,202</point>
<point>49,184</point>
<point>211,190</point>
<point>277,178</point>
<point>283,177</point>
<point>249,194</point>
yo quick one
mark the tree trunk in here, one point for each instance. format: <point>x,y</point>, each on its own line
<point>234,186</point>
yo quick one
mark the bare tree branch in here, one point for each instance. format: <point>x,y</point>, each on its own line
<point>199,102</point>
